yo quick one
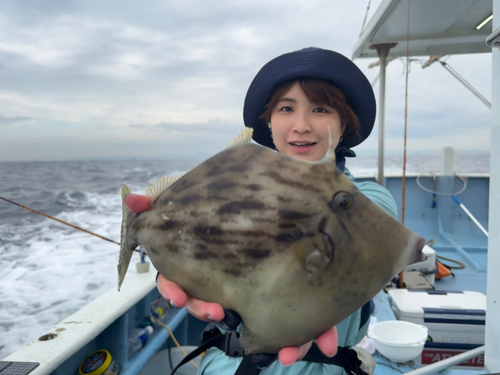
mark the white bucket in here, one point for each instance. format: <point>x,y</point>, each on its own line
<point>398,340</point>
<point>159,364</point>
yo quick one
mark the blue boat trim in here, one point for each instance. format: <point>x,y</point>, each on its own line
<point>444,345</point>
<point>432,310</point>
<point>439,292</point>
<point>454,321</point>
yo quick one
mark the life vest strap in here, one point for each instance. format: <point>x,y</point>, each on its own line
<point>229,343</point>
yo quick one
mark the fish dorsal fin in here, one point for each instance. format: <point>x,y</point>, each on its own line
<point>162,184</point>
<point>244,136</point>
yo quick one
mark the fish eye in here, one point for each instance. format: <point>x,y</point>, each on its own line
<point>342,201</point>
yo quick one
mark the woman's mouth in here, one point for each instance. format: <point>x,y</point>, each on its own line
<point>302,146</point>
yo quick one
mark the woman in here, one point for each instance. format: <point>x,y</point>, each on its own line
<point>291,104</point>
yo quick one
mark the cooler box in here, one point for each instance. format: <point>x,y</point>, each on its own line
<point>428,266</point>
<point>451,317</point>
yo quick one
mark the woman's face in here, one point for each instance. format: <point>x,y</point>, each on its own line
<point>300,128</point>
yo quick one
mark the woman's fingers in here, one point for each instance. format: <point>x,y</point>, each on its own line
<point>205,310</point>
<point>176,296</point>
<point>171,292</point>
<point>328,342</point>
<point>289,355</point>
<point>137,203</point>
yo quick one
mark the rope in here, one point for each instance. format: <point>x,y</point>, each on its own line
<point>366,16</point>
<point>439,193</point>
<point>173,338</point>
<point>461,265</point>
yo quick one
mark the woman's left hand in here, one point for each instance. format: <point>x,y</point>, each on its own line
<point>327,343</point>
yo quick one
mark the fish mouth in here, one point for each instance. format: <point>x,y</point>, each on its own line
<point>414,249</point>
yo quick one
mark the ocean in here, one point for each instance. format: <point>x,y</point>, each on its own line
<point>49,270</point>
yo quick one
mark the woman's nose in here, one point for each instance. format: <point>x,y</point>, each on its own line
<point>302,124</point>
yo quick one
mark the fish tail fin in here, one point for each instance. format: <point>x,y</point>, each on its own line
<point>125,251</point>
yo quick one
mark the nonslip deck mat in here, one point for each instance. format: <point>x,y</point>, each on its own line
<point>17,368</point>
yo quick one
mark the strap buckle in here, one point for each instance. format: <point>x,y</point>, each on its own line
<point>232,345</point>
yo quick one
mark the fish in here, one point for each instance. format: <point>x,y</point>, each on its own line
<point>292,246</point>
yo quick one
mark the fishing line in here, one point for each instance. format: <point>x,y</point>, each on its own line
<point>60,221</point>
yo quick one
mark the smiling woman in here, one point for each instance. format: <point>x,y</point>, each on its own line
<point>301,111</point>
<point>335,94</point>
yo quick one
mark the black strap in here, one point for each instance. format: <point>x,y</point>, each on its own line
<point>218,342</point>
<point>229,343</point>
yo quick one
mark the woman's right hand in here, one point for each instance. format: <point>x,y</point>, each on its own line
<point>171,291</point>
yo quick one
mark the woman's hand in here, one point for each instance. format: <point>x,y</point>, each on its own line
<point>327,342</point>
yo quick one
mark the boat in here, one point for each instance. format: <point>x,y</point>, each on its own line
<point>106,322</point>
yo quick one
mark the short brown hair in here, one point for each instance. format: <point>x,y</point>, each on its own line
<point>320,92</point>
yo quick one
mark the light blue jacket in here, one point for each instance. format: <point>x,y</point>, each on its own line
<point>215,362</point>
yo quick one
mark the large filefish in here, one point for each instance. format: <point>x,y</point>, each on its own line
<point>292,246</point>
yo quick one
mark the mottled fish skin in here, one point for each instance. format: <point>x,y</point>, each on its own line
<point>292,246</point>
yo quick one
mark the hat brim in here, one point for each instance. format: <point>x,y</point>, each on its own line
<point>310,63</point>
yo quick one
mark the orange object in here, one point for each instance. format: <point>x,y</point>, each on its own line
<point>442,271</point>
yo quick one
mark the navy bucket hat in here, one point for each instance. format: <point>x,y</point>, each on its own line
<point>310,63</point>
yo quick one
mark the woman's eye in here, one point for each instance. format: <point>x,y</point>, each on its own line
<point>320,110</point>
<point>286,109</point>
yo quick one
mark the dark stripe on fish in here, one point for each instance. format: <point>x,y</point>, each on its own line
<point>232,272</point>
<point>293,215</point>
<point>254,187</point>
<point>190,198</point>
<point>221,185</point>
<point>182,185</point>
<point>169,224</point>
<point>291,183</point>
<point>256,253</point>
<point>205,256</point>
<point>215,171</point>
<point>202,230</point>
<point>236,207</point>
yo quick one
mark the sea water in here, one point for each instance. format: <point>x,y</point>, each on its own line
<point>49,270</point>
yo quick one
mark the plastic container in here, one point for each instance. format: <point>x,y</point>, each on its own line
<point>452,317</point>
<point>99,362</point>
<point>137,338</point>
<point>397,340</point>
<point>159,307</point>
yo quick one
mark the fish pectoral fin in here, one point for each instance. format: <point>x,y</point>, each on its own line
<point>322,254</point>
<point>295,234</point>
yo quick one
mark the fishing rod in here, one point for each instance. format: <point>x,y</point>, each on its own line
<point>58,220</point>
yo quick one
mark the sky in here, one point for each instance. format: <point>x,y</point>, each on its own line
<point>84,79</point>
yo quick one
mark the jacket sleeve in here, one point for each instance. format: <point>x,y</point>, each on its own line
<point>380,196</point>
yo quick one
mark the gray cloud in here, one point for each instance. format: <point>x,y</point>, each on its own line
<point>132,71</point>
<point>12,120</point>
